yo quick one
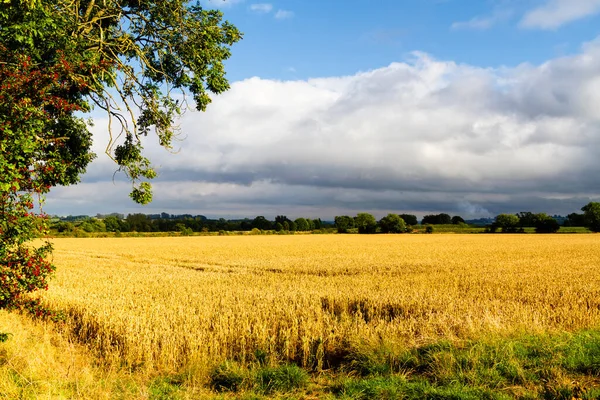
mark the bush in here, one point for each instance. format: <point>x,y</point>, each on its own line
<point>302,224</point>
<point>591,215</point>
<point>344,223</point>
<point>429,229</point>
<point>457,220</point>
<point>546,224</point>
<point>226,377</point>
<point>366,223</point>
<point>509,223</point>
<point>281,379</point>
<point>392,223</point>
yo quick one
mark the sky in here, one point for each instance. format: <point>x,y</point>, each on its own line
<point>467,107</point>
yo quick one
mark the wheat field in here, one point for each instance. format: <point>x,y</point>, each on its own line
<point>167,303</point>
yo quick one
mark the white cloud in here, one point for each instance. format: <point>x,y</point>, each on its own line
<point>284,14</point>
<point>479,23</point>
<point>484,22</point>
<point>555,13</point>
<point>261,8</point>
<point>421,136</point>
<point>221,3</point>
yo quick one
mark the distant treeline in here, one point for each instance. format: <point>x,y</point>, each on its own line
<point>361,223</point>
<point>185,223</point>
<point>506,223</point>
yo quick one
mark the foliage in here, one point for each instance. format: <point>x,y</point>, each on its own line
<point>509,223</point>
<point>527,219</point>
<point>112,223</point>
<point>392,223</point>
<point>344,223</point>
<point>121,56</point>
<point>317,224</point>
<point>456,220</point>
<point>429,229</point>
<point>365,222</point>
<point>546,224</point>
<point>409,219</point>
<point>575,219</point>
<point>282,219</point>
<point>41,145</point>
<point>60,58</point>
<point>292,226</point>
<point>302,224</point>
<point>438,219</point>
<point>261,223</point>
<point>591,215</point>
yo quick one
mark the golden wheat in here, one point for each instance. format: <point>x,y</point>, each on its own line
<point>165,303</point>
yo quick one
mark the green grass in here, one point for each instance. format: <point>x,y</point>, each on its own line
<point>451,228</point>
<point>574,229</point>
<point>285,378</point>
<point>545,367</point>
<point>525,366</point>
<point>165,388</point>
<point>561,366</point>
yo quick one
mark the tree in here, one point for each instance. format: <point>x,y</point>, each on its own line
<point>139,222</point>
<point>509,223</point>
<point>439,219</point>
<point>456,220</point>
<point>292,226</point>
<point>60,58</point>
<point>591,215</point>
<point>575,219</point>
<point>527,219</point>
<point>282,219</point>
<point>301,224</point>
<point>122,55</point>
<point>545,224</point>
<point>392,223</point>
<point>409,219</point>
<point>344,223</point>
<point>112,223</point>
<point>262,223</point>
<point>92,225</point>
<point>41,145</point>
<point>366,223</point>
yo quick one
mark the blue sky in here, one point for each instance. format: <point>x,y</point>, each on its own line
<point>331,38</point>
<point>472,108</point>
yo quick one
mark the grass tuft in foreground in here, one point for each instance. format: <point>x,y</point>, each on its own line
<point>563,366</point>
<point>36,362</point>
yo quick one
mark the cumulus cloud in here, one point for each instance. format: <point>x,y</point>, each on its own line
<point>421,136</point>
<point>555,13</point>
<point>484,22</point>
<point>284,14</point>
<point>261,8</point>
